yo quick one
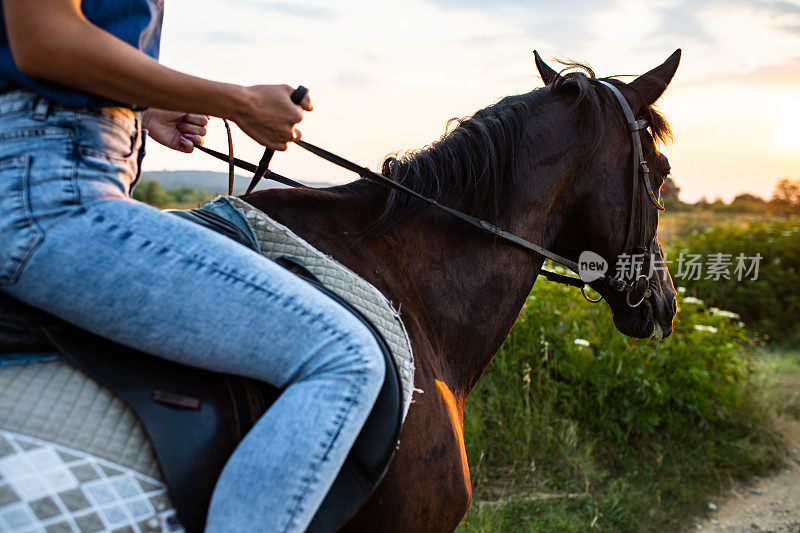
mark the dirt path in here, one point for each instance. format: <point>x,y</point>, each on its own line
<point>767,504</point>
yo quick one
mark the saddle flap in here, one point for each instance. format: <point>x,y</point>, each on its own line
<point>191,445</point>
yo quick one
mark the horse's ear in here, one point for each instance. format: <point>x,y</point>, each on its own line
<point>653,84</point>
<point>548,74</point>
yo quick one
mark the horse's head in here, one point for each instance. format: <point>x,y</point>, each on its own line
<point>556,166</point>
<point>607,212</point>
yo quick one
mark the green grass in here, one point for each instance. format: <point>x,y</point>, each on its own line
<point>620,435</point>
<point>779,361</point>
<point>674,225</point>
<point>781,380</point>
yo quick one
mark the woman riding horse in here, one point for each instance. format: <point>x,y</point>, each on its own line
<point>80,84</point>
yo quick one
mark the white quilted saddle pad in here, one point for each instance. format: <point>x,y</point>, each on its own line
<point>74,458</point>
<point>277,240</point>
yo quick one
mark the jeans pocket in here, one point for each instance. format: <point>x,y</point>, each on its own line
<point>19,232</point>
<point>101,139</point>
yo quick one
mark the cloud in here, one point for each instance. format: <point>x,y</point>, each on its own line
<point>573,22</point>
<point>285,8</point>
<point>780,7</point>
<point>785,13</point>
<point>547,5</point>
<point>684,21</point>
<point>226,37</point>
<point>352,78</point>
<point>685,17</point>
<point>785,73</point>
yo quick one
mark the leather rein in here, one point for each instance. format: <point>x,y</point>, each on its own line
<point>640,287</point>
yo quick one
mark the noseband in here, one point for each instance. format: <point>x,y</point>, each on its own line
<point>639,288</point>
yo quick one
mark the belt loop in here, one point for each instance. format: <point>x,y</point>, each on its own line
<point>41,109</point>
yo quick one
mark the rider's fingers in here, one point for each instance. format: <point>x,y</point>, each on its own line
<point>186,145</point>
<point>297,135</point>
<point>281,147</point>
<point>297,114</point>
<point>193,129</point>
<point>196,119</point>
<point>197,140</point>
<point>286,135</point>
<point>305,103</point>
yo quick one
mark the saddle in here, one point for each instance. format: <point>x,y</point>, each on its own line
<point>195,418</point>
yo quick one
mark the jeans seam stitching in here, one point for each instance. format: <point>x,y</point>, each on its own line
<point>33,224</point>
<point>355,389</point>
<point>279,295</point>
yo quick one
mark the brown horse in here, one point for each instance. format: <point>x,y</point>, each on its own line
<point>553,166</point>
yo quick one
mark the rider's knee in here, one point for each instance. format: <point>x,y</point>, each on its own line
<point>373,360</point>
<point>351,355</point>
<point>364,359</point>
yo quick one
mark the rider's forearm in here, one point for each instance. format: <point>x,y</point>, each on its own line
<point>57,43</point>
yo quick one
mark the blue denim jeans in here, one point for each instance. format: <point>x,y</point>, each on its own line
<point>73,242</point>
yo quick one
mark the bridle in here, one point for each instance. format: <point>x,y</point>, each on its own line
<point>636,237</point>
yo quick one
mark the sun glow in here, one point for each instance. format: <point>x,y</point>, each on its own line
<point>458,425</point>
<point>788,134</point>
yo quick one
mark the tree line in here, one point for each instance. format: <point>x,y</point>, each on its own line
<point>784,201</point>
<point>150,192</point>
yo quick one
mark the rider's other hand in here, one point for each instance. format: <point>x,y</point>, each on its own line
<point>269,116</point>
<point>174,129</point>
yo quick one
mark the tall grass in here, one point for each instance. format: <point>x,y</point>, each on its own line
<point>575,427</point>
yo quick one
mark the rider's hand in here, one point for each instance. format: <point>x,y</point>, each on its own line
<point>269,116</point>
<point>173,129</point>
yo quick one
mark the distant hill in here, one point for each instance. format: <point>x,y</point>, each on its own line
<point>209,181</point>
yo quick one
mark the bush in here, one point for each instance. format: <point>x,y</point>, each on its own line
<point>769,304</point>
<point>150,192</point>
<point>633,433</point>
<point>565,354</point>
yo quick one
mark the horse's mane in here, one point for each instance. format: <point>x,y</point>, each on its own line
<point>472,165</point>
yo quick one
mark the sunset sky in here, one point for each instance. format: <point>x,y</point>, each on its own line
<point>386,76</point>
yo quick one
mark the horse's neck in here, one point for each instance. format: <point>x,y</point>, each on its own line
<point>462,289</point>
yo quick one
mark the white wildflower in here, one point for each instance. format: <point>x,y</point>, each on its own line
<point>693,300</point>
<point>581,342</point>
<point>786,233</point>
<point>710,329</point>
<point>741,324</point>
<point>723,313</point>
<point>682,290</point>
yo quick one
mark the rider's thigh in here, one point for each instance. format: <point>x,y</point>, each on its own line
<point>158,283</point>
